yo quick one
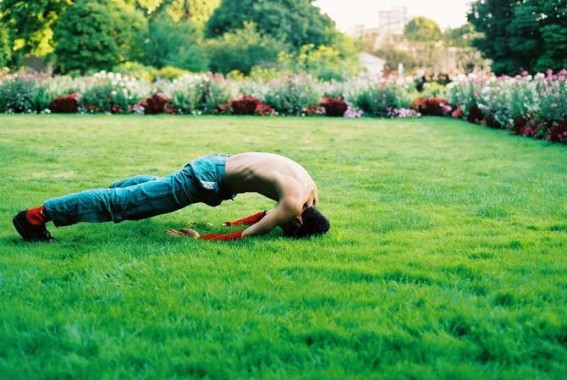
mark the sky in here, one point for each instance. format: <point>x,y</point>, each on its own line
<point>349,13</point>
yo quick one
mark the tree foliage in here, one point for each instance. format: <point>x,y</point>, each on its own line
<point>171,43</point>
<point>5,48</point>
<point>296,22</point>
<point>521,34</point>
<point>422,29</point>
<point>29,25</point>
<point>468,58</point>
<point>96,35</point>
<point>243,49</point>
<point>197,11</point>
<point>423,34</point>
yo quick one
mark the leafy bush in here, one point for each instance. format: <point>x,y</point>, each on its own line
<point>195,94</point>
<point>293,95</point>
<point>334,107</point>
<point>558,132</point>
<point>431,106</point>
<point>249,105</point>
<point>380,98</point>
<point>65,104</point>
<point>153,105</point>
<point>23,94</point>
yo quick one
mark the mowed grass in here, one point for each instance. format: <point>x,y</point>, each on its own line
<point>446,259</point>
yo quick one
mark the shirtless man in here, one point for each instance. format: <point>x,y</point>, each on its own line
<point>209,179</point>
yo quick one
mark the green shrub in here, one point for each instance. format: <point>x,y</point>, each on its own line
<point>23,94</point>
<point>293,95</point>
<point>242,50</point>
<point>380,98</point>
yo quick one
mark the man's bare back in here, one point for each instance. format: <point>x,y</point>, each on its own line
<point>276,177</point>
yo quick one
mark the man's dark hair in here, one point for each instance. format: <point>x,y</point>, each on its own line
<point>314,223</point>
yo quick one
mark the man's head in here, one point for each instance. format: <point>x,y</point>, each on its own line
<point>312,222</point>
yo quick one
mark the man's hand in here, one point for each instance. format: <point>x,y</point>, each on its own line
<point>183,232</point>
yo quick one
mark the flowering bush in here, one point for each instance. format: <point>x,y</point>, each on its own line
<point>551,91</point>
<point>112,93</point>
<point>530,106</point>
<point>534,106</point>
<point>292,95</point>
<point>196,94</point>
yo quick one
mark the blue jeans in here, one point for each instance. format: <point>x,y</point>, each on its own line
<point>140,197</point>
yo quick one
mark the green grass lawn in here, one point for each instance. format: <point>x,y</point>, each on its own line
<point>446,259</point>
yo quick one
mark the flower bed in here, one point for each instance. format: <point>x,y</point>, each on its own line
<point>534,106</point>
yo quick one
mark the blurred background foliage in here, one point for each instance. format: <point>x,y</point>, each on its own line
<point>82,37</point>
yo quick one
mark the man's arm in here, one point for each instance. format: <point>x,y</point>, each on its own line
<point>249,220</point>
<point>283,213</point>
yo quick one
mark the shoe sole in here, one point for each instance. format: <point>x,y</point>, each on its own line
<point>19,227</point>
<point>21,231</point>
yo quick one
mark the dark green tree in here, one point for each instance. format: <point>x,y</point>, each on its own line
<point>553,29</point>
<point>295,22</point>
<point>175,44</point>
<point>521,34</point>
<point>97,35</point>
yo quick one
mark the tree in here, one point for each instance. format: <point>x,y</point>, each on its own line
<point>30,23</point>
<point>5,47</point>
<point>553,28</point>
<point>242,49</point>
<point>197,11</point>
<point>393,56</point>
<point>467,57</point>
<point>96,35</point>
<point>174,44</point>
<point>423,34</point>
<point>295,22</point>
<point>521,34</point>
